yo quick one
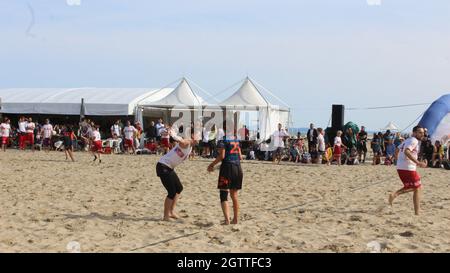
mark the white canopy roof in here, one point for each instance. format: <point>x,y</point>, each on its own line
<point>390,126</point>
<point>247,95</point>
<point>182,95</point>
<point>63,101</point>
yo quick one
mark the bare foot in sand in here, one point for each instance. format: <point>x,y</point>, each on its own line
<point>174,216</point>
<point>166,219</point>
<point>234,222</point>
<point>225,223</point>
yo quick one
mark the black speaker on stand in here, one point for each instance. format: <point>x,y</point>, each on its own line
<point>337,117</point>
<point>337,123</point>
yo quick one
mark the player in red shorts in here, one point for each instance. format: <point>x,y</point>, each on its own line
<point>97,146</point>
<point>165,139</point>
<point>129,132</point>
<point>5,130</point>
<point>406,167</point>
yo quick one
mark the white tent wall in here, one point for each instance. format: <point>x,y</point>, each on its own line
<point>63,101</point>
<point>269,117</point>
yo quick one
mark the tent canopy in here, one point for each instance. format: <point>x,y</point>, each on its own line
<point>64,101</point>
<point>182,95</point>
<point>247,95</point>
<point>390,126</point>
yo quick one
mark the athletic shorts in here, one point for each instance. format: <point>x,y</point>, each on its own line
<point>46,142</point>
<point>278,151</point>
<point>129,143</point>
<point>5,140</point>
<point>97,146</point>
<point>169,179</point>
<point>337,150</point>
<point>410,179</point>
<point>30,138</point>
<point>361,147</point>
<point>230,176</point>
<point>67,143</point>
<point>165,142</point>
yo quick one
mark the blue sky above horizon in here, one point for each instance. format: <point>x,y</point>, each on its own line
<point>309,53</point>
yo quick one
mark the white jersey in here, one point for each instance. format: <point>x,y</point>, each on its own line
<point>175,157</point>
<point>159,127</point>
<point>5,129</point>
<point>116,129</point>
<point>30,127</point>
<point>403,162</point>
<point>278,138</point>
<point>337,141</point>
<point>96,135</point>
<point>129,131</point>
<point>164,133</point>
<point>23,127</point>
<point>205,135</point>
<point>47,130</point>
<point>321,141</point>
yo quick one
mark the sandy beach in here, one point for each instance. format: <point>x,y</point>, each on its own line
<point>117,207</point>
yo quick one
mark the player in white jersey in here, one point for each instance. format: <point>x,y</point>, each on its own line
<point>165,169</point>
<point>5,131</point>
<point>97,145</point>
<point>47,133</point>
<point>406,167</point>
<point>30,132</point>
<point>129,132</point>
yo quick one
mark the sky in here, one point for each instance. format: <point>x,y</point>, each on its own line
<point>311,54</point>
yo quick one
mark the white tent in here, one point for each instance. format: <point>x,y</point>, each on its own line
<point>182,95</point>
<point>249,97</point>
<point>390,126</point>
<point>63,101</point>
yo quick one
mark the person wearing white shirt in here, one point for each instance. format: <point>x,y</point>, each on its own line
<point>165,170</point>
<point>22,132</point>
<point>5,131</point>
<point>30,132</point>
<point>337,151</point>
<point>129,132</point>
<point>97,145</point>
<point>321,143</point>
<point>278,143</point>
<point>115,129</point>
<point>159,128</point>
<point>407,163</point>
<point>47,133</point>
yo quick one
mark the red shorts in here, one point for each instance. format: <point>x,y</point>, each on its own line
<point>165,142</point>
<point>4,140</point>
<point>129,143</point>
<point>410,179</point>
<point>30,138</point>
<point>337,150</point>
<point>97,146</point>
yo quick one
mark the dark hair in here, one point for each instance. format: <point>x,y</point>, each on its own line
<point>417,128</point>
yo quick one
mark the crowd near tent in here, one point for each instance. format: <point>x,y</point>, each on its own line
<point>437,119</point>
<point>142,103</point>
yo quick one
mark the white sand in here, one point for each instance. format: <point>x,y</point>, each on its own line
<point>117,207</point>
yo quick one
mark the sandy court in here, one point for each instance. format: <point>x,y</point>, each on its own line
<point>117,206</point>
